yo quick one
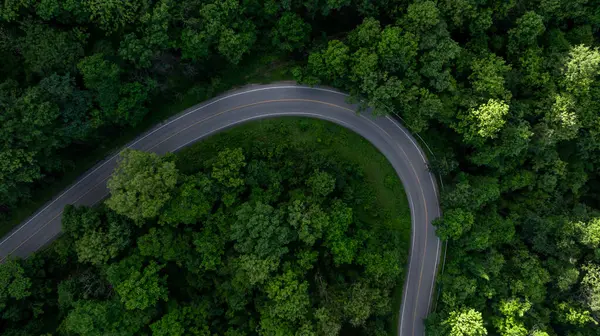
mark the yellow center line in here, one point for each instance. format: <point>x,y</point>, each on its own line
<point>261,103</point>
<point>426,219</point>
<point>171,136</point>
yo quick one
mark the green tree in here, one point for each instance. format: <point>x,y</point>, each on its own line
<point>367,34</point>
<point>397,50</point>
<point>103,79</point>
<point>130,109</point>
<point>258,230</point>
<point>16,284</point>
<point>162,244</point>
<point>183,321</point>
<point>141,185</point>
<point>192,201</point>
<point>95,318</point>
<point>528,28</point>
<point>485,121</point>
<point>99,246</point>
<point>321,183</point>
<point>513,310</point>
<point>152,36</point>
<point>290,33</point>
<point>581,68</point>
<point>488,76</point>
<point>139,286</point>
<point>591,286</point>
<point>46,49</point>
<point>309,220</point>
<point>75,106</point>
<point>227,167</point>
<point>454,224</point>
<point>574,316</point>
<point>466,322</point>
<point>288,297</point>
<point>28,130</point>
<point>113,15</point>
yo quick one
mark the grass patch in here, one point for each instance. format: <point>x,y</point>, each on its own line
<point>331,140</point>
<point>254,70</point>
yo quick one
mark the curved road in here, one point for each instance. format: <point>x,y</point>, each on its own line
<point>266,101</point>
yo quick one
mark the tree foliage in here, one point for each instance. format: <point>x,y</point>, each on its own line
<point>505,91</point>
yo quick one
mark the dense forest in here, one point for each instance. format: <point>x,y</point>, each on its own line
<point>507,93</point>
<point>277,240</point>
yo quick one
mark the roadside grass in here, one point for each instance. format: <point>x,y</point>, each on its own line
<point>259,69</point>
<point>331,140</point>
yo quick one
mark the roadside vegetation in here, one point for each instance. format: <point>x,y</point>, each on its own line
<point>508,91</point>
<point>302,229</point>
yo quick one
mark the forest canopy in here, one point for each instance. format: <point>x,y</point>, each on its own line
<point>506,92</point>
<point>272,238</point>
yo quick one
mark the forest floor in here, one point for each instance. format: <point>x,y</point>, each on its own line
<point>255,70</point>
<point>333,141</point>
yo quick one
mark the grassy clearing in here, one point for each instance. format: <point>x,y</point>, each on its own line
<point>331,140</point>
<point>254,70</point>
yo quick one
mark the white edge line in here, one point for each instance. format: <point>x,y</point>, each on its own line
<point>437,254</point>
<point>196,139</point>
<point>242,121</point>
<point>263,116</point>
<point>404,291</point>
<point>159,128</point>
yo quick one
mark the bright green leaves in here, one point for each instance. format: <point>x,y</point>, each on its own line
<point>47,49</point>
<point>225,27</point>
<point>113,15</point>
<point>332,63</point>
<point>226,169</point>
<point>182,321</point>
<point>454,223</point>
<point>590,233</point>
<point>309,222</point>
<point>99,245</point>
<point>528,28</point>
<point>290,33</point>
<point>151,38</point>
<point>15,284</point>
<point>192,202</point>
<point>366,34</point>
<point>321,183</point>
<point>98,318</point>
<point>139,286</point>
<point>466,322</point>
<point>485,121</point>
<point>397,49</point>
<point>288,303</point>
<point>258,230</point>
<point>581,69</point>
<point>591,286</point>
<point>513,311</point>
<point>572,315</point>
<point>101,77</point>
<point>141,185</point>
<point>488,77</point>
<point>424,15</point>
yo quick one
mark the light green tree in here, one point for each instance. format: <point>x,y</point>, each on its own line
<point>466,322</point>
<point>485,121</point>
<point>15,284</point>
<point>139,286</point>
<point>141,184</point>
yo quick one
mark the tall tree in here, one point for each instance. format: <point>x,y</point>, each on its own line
<point>141,185</point>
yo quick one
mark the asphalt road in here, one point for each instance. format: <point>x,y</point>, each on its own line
<point>268,101</point>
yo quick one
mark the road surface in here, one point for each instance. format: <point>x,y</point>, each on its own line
<point>268,101</point>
